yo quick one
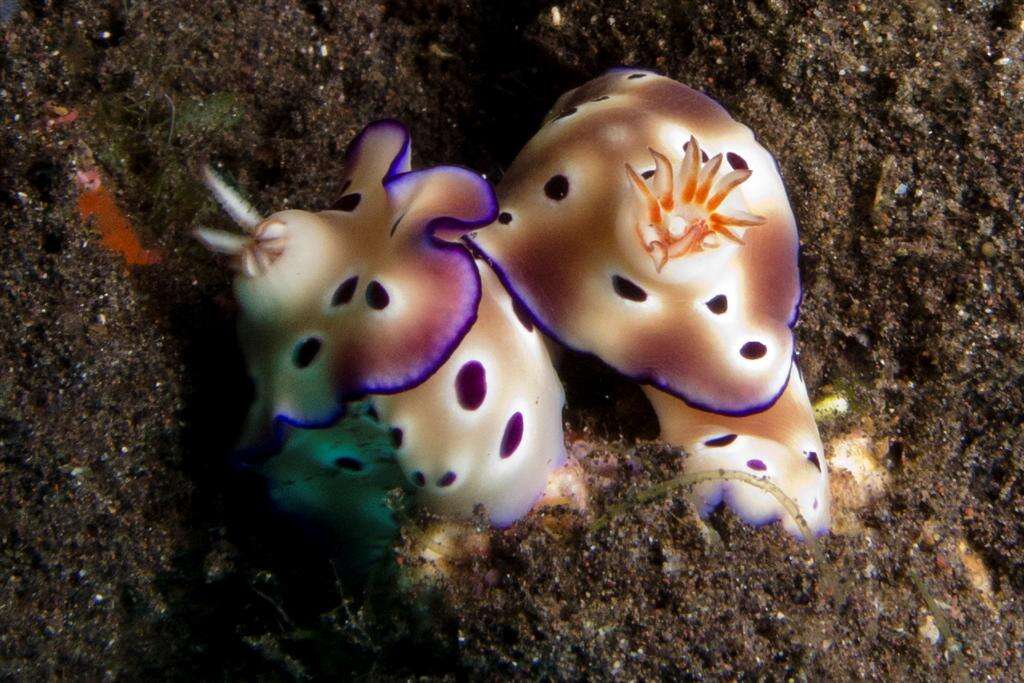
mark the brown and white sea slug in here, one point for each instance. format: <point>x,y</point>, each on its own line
<point>378,299</point>
<point>644,225</point>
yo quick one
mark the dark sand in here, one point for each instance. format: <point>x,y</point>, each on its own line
<point>128,551</point>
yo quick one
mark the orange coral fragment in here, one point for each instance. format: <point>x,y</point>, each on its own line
<point>116,231</point>
<point>59,115</point>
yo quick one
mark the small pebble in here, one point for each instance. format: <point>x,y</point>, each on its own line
<point>929,631</point>
<point>830,406</point>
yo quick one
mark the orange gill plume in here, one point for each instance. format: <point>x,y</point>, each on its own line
<point>681,213</point>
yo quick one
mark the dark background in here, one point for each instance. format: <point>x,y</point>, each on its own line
<point>126,547</point>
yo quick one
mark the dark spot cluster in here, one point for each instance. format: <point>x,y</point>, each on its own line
<point>376,295</point>
<point>377,298</point>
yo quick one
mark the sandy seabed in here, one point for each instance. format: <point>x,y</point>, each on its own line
<point>129,551</point>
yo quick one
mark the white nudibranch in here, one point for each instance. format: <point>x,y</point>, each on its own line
<point>378,298</point>
<point>644,225</point>
<point>486,427</point>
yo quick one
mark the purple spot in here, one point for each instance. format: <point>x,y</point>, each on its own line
<point>504,218</point>
<point>717,304</point>
<point>813,457</point>
<point>736,161</point>
<point>471,385</point>
<point>343,294</point>
<point>418,478</point>
<point>396,437</point>
<point>348,203</point>
<point>753,350</point>
<point>350,464</point>
<point>376,296</point>
<point>447,480</point>
<point>757,465</point>
<point>557,187</point>
<point>628,289</point>
<point>307,351</point>
<point>815,503</point>
<point>720,441</point>
<point>523,315</point>
<point>513,435</point>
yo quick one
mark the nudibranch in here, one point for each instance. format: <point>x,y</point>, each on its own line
<point>378,298</point>
<point>780,444</point>
<point>371,296</point>
<point>644,225</point>
<point>486,428</point>
<point>337,482</point>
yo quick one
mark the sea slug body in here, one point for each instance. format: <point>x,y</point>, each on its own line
<point>369,297</point>
<point>378,298</point>
<point>486,427</point>
<point>644,225</point>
